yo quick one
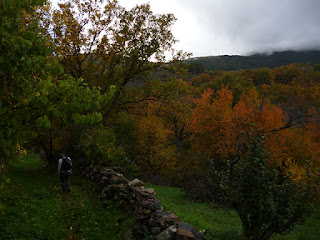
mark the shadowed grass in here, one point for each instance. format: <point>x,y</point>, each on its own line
<point>222,223</point>
<point>37,209</point>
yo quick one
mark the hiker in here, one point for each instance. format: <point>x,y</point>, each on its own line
<point>64,170</point>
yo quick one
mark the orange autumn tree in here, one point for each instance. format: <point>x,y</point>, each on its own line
<point>221,127</point>
<point>211,123</point>
<point>312,130</point>
<point>247,148</point>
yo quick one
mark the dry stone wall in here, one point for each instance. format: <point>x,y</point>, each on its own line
<point>151,218</point>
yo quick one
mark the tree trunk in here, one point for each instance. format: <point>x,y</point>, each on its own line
<point>267,235</point>
<point>112,106</point>
<point>3,166</point>
<point>48,155</point>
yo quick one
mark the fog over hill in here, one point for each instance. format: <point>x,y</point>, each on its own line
<point>234,62</point>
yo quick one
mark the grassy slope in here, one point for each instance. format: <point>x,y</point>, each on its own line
<point>225,224</point>
<point>37,209</point>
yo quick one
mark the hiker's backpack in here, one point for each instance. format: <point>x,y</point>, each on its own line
<point>66,164</point>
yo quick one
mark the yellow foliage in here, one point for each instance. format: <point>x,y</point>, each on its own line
<point>297,172</point>
<point>20,149</point>
<point>155,150</point>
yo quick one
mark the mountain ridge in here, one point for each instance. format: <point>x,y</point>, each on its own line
<point>254,61</point>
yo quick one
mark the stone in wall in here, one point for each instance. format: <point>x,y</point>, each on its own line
<point>151,219</point>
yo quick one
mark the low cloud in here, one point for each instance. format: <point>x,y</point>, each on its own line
<point>247,26</point>
<point>218,27</point>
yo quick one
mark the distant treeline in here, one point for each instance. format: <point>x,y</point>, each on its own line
<point>236,62</point>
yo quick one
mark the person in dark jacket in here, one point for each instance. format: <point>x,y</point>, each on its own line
<point>64,171</point>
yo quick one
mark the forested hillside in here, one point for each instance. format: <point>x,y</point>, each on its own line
<point>276,59</point>
<point>93,79</point>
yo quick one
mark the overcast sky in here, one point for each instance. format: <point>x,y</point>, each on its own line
<point>218,27</point>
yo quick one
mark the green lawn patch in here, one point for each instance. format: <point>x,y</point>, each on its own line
<point>37,209</point>
<point>224,224</point>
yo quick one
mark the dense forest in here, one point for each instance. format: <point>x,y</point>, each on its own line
<point>92,78</point>
<point>236,62</point>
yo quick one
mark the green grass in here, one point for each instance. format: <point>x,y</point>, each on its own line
<point>308,231</point>
<point>37,209</point>
<point>222,223</point>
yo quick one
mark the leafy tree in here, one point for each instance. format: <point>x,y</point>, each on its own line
<point>220,126</point>
<point>106,44</point>
<point>195,68</point>
<point>37,101</point>
<point>263,76</point>
<point>200,79</point>
<point>170,101</point>
<point>99,146</point>
<point>221,131</point>
<point>267,179</point>
<point>57,106</point>
<point>239,82</point>
<point>297,89</point>
<point>22,64</point>
<point>267,200</point>
<point>155,151</point>
<point>316,67</point>
<point>288,74</point>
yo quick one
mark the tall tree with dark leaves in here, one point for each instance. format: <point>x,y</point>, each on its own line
<point>106,44</point>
